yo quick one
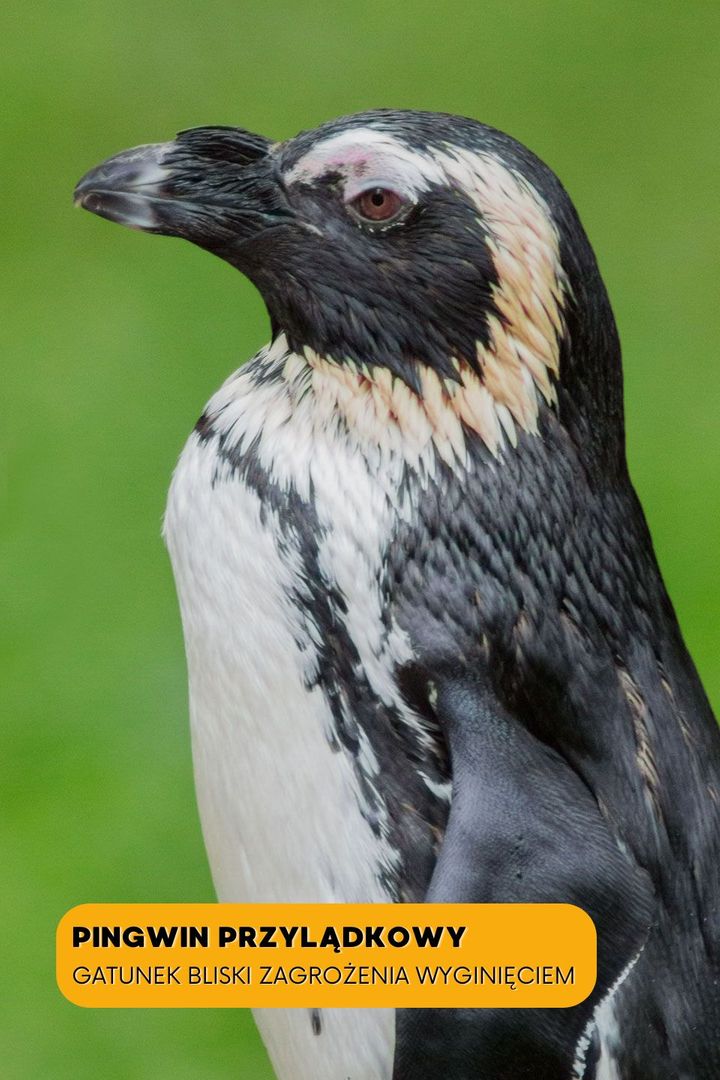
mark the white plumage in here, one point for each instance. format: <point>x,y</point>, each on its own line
<point>280,808</point>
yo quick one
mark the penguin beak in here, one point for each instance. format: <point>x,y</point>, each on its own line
<point>212,186</point>
<point>129,188</point>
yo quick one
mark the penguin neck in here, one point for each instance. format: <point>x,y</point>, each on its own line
<point>590,385</point>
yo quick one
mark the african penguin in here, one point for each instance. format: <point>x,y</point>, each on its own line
<point>430,652</point>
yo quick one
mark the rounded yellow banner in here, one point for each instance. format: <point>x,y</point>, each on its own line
<point>326,955</point>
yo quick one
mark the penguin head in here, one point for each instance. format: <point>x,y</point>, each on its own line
<point>428,246</point>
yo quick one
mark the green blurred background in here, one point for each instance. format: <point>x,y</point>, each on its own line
<point>113,341</point>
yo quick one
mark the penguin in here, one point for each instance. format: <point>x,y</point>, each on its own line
<point>430,652</point>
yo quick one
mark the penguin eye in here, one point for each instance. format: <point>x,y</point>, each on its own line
<point>378,205</point>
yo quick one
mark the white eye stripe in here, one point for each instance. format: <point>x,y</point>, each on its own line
<point>521,234</point>
<point>368,158</point>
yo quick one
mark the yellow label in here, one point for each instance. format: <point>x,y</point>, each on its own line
<point>326,955</point>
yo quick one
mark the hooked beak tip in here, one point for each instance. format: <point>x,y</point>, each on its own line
<point>125,188</point>
<point>212,186</point>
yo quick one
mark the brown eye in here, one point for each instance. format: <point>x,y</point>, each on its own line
<point>378,204</point>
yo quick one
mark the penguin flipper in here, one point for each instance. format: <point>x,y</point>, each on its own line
<point>523,827</point>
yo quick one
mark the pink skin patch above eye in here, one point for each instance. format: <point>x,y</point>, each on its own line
<point>368,158</point>
<point>357,162</point>
<point>351,163</point>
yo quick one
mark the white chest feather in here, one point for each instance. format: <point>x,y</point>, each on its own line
<point>281,808</point>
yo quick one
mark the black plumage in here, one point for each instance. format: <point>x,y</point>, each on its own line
<point>547,673</point>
